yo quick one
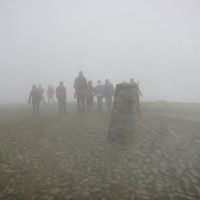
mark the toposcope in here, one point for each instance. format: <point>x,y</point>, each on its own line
<point>125,113</point>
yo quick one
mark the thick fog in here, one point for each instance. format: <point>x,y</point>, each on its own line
<point>155,42</point>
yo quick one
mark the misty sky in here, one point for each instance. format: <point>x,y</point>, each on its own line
<point>156,42</point>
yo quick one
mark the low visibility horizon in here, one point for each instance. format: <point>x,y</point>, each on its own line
<point>157,43</point>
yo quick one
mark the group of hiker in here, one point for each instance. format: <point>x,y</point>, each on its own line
<point>84,94</point>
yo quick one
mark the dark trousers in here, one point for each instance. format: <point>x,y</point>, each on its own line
<point>81,103</point>
<point>62,106</point>
<point>36,109</point>
<point>109,102</point>
<point>99,102</point>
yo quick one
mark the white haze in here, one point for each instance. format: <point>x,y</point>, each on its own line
<point>155,42</point>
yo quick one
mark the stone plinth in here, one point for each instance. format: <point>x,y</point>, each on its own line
<point>125,112</point>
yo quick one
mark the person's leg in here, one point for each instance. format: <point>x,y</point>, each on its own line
<point>60,106</point>
<point>64,107</point>
<point>87,104</point>
<point>110,104</point>
<point>98,103</point>
<point>83,103</point>
<point>37,109</point>
<point>92,104</point>
<point>107,102</point>
<point>78,103</point>
<point>34,109</point>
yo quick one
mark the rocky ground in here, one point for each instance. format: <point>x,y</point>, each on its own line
<point>60,158</point>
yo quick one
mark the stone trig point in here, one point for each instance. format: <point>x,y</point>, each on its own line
<point>125,112</point>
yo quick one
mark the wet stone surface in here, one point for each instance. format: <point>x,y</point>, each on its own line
<point>68,158</point>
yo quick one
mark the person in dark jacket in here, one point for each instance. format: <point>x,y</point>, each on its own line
<point>61,94</point>
<point>35,98</point>
<point>80,85</point>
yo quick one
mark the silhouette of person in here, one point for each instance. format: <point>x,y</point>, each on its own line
<point>35,99</point>
<point>61,94</point>
<point>80,85</point>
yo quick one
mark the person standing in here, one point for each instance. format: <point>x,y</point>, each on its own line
<point>50,94</point>
<point>80,85</point>
<point>90,97</point>
<point>35,99</point>
<point>61,94</point>
<point>108,94</point>
<point>99,94</point>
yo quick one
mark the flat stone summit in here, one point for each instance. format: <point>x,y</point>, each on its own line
<point>125,112</point>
